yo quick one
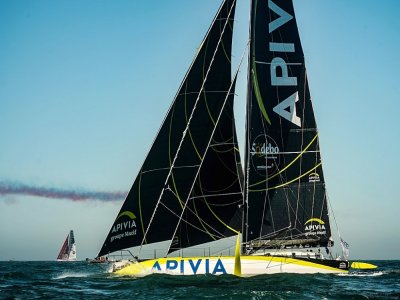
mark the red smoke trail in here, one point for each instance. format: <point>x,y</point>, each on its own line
<point>12,188</point>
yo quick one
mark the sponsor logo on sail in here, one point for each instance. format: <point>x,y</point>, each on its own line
<point>126,227</point>
<point>265,155</point>
<point>280,75</point>
<point>313,177</point>
<point>315,226</point>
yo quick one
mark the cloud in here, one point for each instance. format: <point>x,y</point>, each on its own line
<point>15,188</point>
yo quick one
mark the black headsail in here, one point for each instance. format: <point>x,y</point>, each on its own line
<point>285,186</point>
<point>212,211</point>
<point>156,200</point>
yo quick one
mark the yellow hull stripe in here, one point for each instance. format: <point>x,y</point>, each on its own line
<point>146,267</point>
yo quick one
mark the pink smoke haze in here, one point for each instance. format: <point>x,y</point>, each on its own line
<point>13,188</point>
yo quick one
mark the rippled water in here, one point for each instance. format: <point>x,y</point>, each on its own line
<point>79,280</point>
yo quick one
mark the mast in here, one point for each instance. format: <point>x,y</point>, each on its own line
<point>247,143</point>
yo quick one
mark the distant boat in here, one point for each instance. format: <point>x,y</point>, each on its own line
<point>68,249</point>
<point>192,188</point>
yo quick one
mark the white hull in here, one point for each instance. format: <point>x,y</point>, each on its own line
<point>250,266</point>
<point>72,259</point>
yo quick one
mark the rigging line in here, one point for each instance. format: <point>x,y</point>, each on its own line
<point>219,234</point>
<point>223,45</point>
<point>198,217</point>
<point>224,164</point>
<point>212,134</point>
<point>289,182</point>
<point>163,169</point>
<point>270,63</point>
<point>256,87</point>
<point>223,205</point>
<point>270,211</point>
<point>257,93</point>
<point>222,222</point>
<point>286,196</point>
<point>226,151</point>
<point>217,195</point>
<point>295,152</point>
<point>190,133</point>
<point>185,131</point>
<point>266,200</point>
<point>302,144</point>
<point>223,151</point>
<point>140,202</point>
<point>316,160</point>
<point>170,171</point>
<point>333,214</point>
<point>202,92</point>
<point>272,234</point>
<point>189,223</point>
<point>202,222</point>
<point>223,188</point>
<point>228,141</point>
<point>194,213</point>
<point>287,166</point>
<point>246,169</point>
<point>215,215</point>
<point>185,93</point>
<point>223,143</point>
<point>248,115</point>
<point>297,221</point>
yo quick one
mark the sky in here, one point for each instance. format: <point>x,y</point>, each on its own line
<point>85,85</point>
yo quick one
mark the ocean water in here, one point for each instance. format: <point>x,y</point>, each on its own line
<point>79,280</point>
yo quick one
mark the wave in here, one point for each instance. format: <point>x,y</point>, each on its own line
<point>72,275</point>
<point>362,274</point>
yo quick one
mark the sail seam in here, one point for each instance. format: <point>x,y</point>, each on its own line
<point>289,182</point>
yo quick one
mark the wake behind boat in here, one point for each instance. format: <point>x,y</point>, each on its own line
<point>192,188</point>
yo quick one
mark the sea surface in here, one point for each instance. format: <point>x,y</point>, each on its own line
<point>80,280</point>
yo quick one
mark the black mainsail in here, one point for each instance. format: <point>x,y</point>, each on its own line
<point>163,193</point>
<point>285,188</point>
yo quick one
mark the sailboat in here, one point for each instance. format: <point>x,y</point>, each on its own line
<point>192,188</point>
<point>68,249</point>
